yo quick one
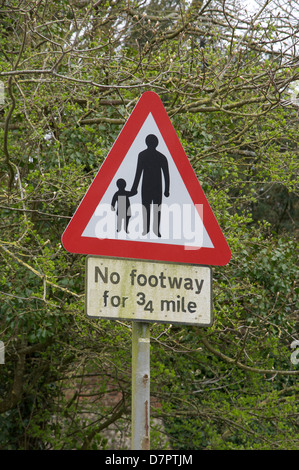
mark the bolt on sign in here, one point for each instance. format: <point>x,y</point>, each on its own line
<point>139,290</point>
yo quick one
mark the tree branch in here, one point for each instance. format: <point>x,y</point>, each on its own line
<point>11,400</point>
<point>40,275</point>
<point>239,364</point>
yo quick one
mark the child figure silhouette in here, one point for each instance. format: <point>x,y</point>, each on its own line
<point>121,200</point>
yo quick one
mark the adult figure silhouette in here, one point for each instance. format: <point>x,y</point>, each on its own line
<point>151,166</point>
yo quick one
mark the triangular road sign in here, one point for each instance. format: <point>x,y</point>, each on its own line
<point>146,202</point>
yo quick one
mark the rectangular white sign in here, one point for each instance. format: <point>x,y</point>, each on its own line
<point>128,289</point>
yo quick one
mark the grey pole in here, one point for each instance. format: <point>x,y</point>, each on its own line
<point>140,386</point>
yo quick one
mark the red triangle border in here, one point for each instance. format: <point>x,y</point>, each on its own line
<point>72,240</point>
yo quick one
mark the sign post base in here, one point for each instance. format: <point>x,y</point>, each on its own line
<point>140,386</point>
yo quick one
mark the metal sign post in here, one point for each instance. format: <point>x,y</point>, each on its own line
<point>113,220</point>
<point>140,386</point>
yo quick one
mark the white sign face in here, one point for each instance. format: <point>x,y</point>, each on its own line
<point>180,222</point>
<point>139,290</point>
